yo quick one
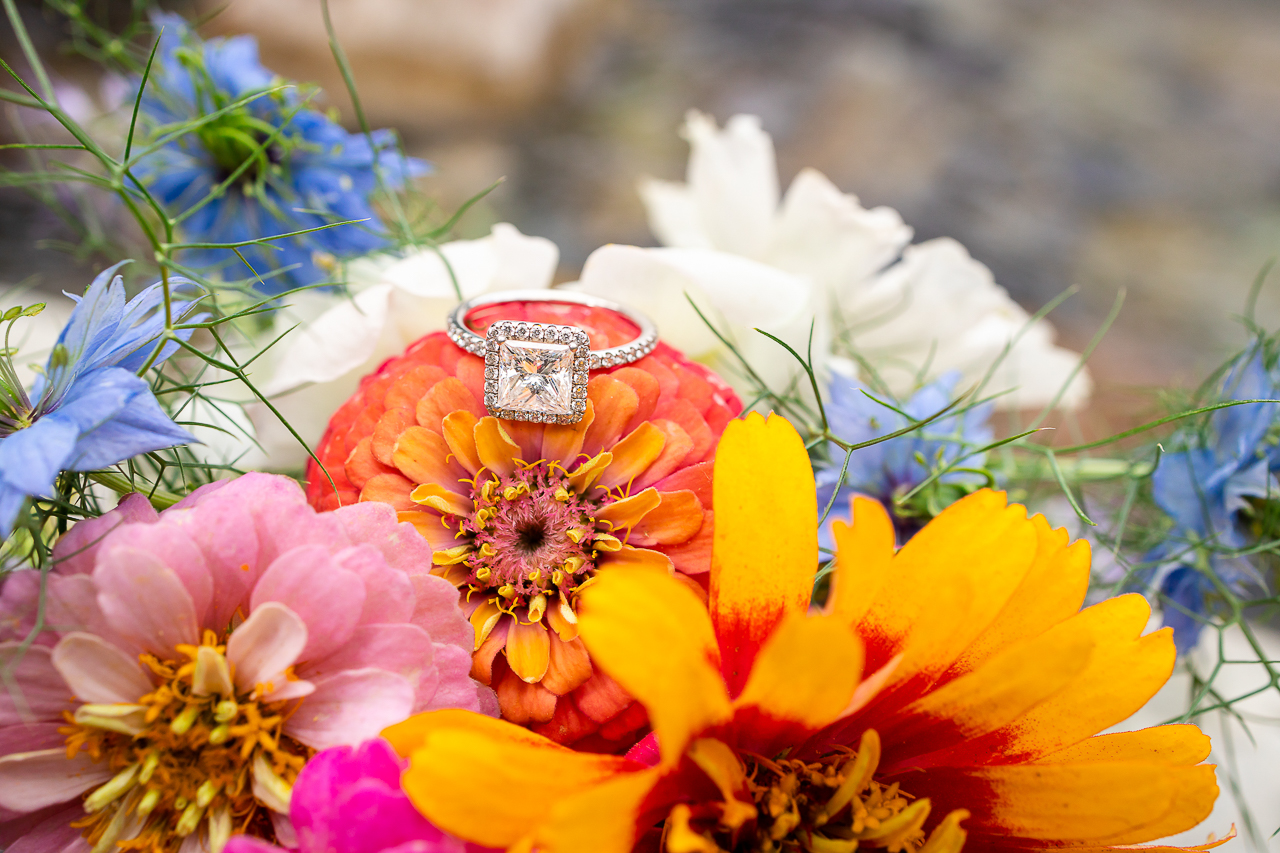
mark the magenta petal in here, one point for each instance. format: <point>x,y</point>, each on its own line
<point>436,610</point>
<point>350,707</point>
<point>389,595</point>
<point>37,692</point>
<point>249,844</point>
<point>403,649</point>
<point>77,549</point>
<point>328,598</point>
<point>174,550</point>
<point>145,602</point>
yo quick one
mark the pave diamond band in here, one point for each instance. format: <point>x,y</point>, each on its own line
<point>539,371</point>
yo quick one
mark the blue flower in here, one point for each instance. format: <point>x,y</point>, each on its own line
<point>314,173</point>
<point>89,409</point>
<point>1203,488</point>
<point>890,469</point>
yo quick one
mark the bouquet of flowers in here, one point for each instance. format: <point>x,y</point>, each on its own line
<point>325,531</point>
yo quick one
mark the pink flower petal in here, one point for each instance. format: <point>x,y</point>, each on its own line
<point>249,844</point>
<point>436,611</point>
<point>145,602</point>
<point>28,737</point>
<point>376,524</point>
<point>265,645</point>
<point>37,692</point>
<point>328,598</point>
<point>225,533</point>
<point>48,831</point>
<point>403,649</point>
<point>174,549</point>
<point>77,549</point>
<point>19,603</point>
<point>34,780</point>
<point>388,592</point>
<point>97,671</point>
<point>350,707</point>
<point>72,605</point>
<point>454,687</point>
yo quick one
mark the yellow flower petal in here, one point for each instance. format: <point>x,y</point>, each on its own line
<point>1181,744</point>
<point>802,679</point>
<point>765,546</point>
<point>633,455</point>
<point>629,510</point>
<point>440,499</point>
<point>628,556</point>
<point>603,818</point>
<point>863,552</point>
<point>585,475</point>
<point>651,634</point>
<point>452,759</point>
<point>528,650</point>
<point>496,450</point>
<point>459,433</point>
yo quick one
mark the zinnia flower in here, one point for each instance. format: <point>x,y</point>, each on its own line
<point>1206,488</point>
<point>88,409</point>
<point>342,337</point>
<point>313,173</point>
<point>193,661</point>
<point>892,468</point>
<point>348,799</point>
<point>950,690</point>
<point>910,310</point>
<point>522,515</point>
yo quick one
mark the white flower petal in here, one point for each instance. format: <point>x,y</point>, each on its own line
<point>266,644</point>
<point>32,780</point>
<point>734,181</point>
<point>97,671</point>
<point>674,217</point>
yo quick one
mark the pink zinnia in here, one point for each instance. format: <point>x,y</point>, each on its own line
<point>348,799</point>
<point>194,660</point>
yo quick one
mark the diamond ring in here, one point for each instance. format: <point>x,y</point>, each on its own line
<point>538,371</point>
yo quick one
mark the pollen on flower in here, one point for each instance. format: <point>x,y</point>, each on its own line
<point>781,805</point>
<point>192,756</point>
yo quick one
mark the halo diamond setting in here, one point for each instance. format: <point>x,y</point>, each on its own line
<point>536,372</point>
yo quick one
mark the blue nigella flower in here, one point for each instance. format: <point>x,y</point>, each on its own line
<point>89,409</point>
<point>1203,488</point>
<point>314,173</point>
<point>892,468</point>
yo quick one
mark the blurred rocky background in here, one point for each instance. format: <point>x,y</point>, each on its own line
<point>1087,143</point>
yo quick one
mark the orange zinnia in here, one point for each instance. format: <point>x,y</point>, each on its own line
<point>986,685</point>
<point>521,516</point>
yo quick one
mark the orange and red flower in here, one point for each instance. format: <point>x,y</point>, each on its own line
<point>948,692</point>
<point>522,516</point>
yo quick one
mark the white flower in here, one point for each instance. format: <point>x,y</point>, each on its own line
<point>915,312</point>
<point>393,302</point>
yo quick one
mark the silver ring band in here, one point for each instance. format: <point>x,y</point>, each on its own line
<point>538,371</point>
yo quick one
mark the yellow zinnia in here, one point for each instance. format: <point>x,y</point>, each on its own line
<point>949,691</point>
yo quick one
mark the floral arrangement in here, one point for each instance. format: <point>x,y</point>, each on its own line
<point>341,534</point>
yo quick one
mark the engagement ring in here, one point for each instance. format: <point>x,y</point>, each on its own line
<point>538,371</point>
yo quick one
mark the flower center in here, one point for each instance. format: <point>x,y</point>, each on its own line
<point>831,805</point>
<point>185,758</point>
<point>532,534</point>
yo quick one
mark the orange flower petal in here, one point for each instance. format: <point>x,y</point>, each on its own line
<point>979,544</point>
<point>524,703</point>
<point>765,550</point>
<point>863,553</point>
<point>458,429</point>
<point>675,452</point>
<point>615,405</point>
<point>528,650</point>
<point>651,634</point>
<point>583,478</point>
<point>410,386</point>
<point>442,399</point>
<point>430,526</point>
<point>678,518</point>
<point>495,448</point>
<point>633,455</point>
<point>570,665</point>
<point>392,423</point>
<point>563,442</point>
<point>1052,591</point>
<point>628,511</point>
<point>1180,744</point>
<point>389,489</point>
<point>605,818</point>
<point>801,681</point>
<point>420,454</point>
<point>647,392</point>
<point>456,759</point>
<point>483,620</point>
<point>361,466</point>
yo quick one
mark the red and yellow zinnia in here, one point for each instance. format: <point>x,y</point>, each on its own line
<point>948,695</point>
<point>521,516</point>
